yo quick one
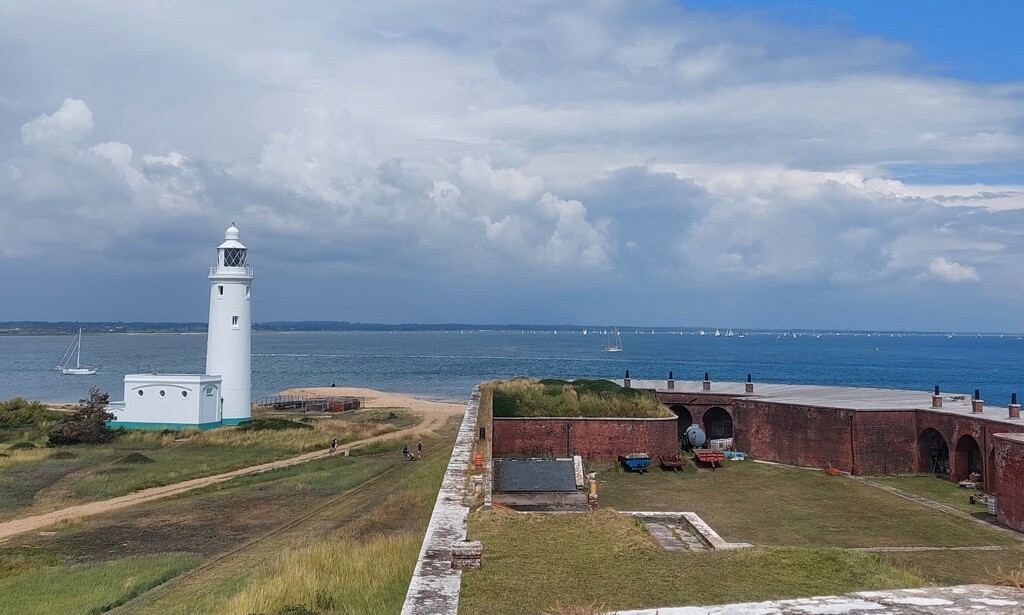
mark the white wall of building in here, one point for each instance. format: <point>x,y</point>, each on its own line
<point>169,401</point>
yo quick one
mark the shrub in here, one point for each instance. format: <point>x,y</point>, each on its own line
<point>87,424</point>
<point>19,412</point>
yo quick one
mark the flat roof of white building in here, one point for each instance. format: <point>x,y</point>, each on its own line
<point>845,398</point>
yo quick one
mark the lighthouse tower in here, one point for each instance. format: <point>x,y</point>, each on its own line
<point>228,344</point>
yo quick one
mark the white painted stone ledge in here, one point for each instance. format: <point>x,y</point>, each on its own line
<point>702,529</point>
<point>981,599</point>
<point>434,589</point>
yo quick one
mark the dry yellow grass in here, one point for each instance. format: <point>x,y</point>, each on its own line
<point>23,455</point>
<point>1011,577</point>
<point>341,576</point>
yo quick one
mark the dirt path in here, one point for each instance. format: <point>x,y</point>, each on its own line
<point>435,414</point>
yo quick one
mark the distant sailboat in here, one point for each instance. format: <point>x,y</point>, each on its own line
<point>584,332</point>
<point>729,332</point>
<point>614,342</point>
<point>718,333</point>
<point>702,332</point>
<point>75,351</point>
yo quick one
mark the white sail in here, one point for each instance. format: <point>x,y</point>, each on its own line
<point>614,342</point>
<point>75,351</point>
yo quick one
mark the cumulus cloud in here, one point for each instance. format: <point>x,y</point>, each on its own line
<point>652,145</point>
<point>954,273</point>
<point>68,124</point>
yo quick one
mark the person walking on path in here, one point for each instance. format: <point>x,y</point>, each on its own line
<point>334,446</point>
<point>419,448</point>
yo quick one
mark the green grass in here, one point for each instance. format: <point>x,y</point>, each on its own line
<point>86,588</point>
<point>31,482</point>
<point>610,561</point>
<point>521,397</point>
<point>935,489</point>
<point>362,565</point>
<point>781,506</point>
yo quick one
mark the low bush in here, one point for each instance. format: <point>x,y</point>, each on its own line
<point>19,412</point>
<point>18,446</point>
<point>87,424</point>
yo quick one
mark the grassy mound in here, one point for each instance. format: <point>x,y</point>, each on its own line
<point>18,446</point>
<point>134,458</point>
<point>272,425</point>
<point>62,455</point>
<point>521,397</point>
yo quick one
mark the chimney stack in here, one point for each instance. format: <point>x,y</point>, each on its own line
<point>936,398</point>
<point>977,405</point>
<point>707,382</point>
<point>750,385</point>
<point>671,381</point>
<point>1014,407</point>
<point>625,381</point>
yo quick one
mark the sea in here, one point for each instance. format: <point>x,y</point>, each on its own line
<point>446,365</point>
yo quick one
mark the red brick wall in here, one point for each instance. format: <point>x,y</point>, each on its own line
<point>884,442</point>
<point>953,427</point>
<point>697,403</point>
<point>593,439</point>
<point>795,435</point>
<point>1009,462</point>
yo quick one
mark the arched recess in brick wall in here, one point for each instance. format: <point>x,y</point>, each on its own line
<point>717,423</point>
<point>685,418</point>
<point>967,458</point>
<point>932,452</point>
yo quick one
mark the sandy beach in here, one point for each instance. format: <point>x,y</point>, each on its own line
<point>381,399</point>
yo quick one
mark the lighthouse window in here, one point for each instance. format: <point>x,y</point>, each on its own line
<point>220,291</point>
<point>162,393</point>
<point>184,393</point>
<point>234,320</point>
<point>141,393</point>
<point>246,292</point>
<point>234,257</point>
<point>209,391</point>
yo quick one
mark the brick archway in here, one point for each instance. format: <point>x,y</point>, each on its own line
<point>717,423</point>
<point>966,459</point>
<point>685,418</point>
<point>932,453</point>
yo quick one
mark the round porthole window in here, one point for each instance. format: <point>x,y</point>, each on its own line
<point>184,393</point>
<point>162,393</point>
<point>141,393</point>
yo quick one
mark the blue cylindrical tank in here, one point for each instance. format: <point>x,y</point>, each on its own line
<point>695,436</point>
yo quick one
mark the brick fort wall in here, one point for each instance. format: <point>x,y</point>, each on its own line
<point>595,439</point>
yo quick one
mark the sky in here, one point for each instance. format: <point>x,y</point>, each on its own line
<point>855,164</point>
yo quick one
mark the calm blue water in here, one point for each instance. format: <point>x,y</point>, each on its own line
<point>448,365</point>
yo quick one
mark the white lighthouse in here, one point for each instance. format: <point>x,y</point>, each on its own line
<point>228,344</point>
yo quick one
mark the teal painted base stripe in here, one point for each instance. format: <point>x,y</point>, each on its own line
<point>174,426</point>
<point>235,421</point>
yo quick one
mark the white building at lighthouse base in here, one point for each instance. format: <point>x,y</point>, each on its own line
<point>169,401</point>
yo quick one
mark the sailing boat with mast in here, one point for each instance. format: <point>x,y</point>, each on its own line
<point>74,351</point>
<point>614,342</point>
